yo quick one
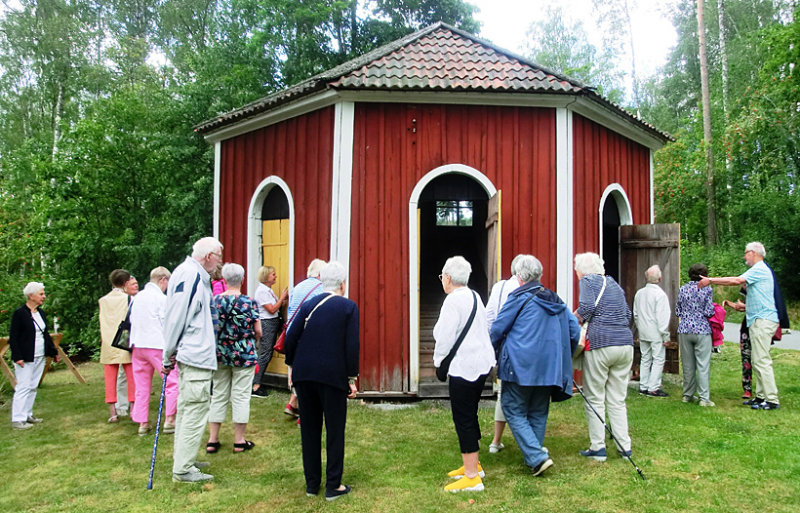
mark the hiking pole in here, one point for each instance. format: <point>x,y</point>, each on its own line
<point>158,428</point>
<point>602,421</point>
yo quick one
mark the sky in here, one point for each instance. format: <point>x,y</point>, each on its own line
<point>506,21</point>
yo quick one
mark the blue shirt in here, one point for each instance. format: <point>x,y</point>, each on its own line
<point>312,285</point>
<point>760,294</point>
<point>610,320</point>
<point>694,306</point>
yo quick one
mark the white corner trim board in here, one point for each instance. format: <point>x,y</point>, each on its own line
<point>342,187</point>
<point>564,206</point>
<point>413,258</point>
<point>254,227</point>
<point>217,171</point>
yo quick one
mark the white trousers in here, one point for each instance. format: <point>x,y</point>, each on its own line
<point>25,394</point>
<point>122,405</point>
<point>605,383</point>
<point>653,355</point>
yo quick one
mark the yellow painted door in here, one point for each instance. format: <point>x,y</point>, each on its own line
<point>275,248</point>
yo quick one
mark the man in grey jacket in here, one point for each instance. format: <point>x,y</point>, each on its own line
<point>651,312</point>
<point>189,340</point>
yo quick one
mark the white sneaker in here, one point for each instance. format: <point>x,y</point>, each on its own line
<point>192,477</point>
<point>707,403</point>
<point>495,448</point>
<point>34,420</point>
<point>21,425</point>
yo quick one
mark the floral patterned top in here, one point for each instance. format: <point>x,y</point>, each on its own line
<point>694,307</point>
<point>236,340</point>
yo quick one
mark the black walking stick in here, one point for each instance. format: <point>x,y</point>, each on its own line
<point>158,428</point>
<point>602,420</point>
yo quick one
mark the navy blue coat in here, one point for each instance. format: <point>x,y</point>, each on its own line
<point>327,349</point>
<point>539,345</point>
<point>22,335</point>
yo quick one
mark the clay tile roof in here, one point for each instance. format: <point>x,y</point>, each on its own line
<point>436,58</point>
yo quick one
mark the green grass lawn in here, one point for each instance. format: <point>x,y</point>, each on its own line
<point>724,459</point>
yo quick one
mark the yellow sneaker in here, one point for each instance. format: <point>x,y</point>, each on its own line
<point>459,472</point>
<point>465,485</point>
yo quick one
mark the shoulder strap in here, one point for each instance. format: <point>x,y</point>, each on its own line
<point>303,301</point>
<point>538,291</point>
<point>467,326</point>
<point>315,309</point>
<point>597,301</point>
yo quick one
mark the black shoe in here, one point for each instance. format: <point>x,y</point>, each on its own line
<point>643,391</point>
<point>335,494</point>
<point>658,393</point>
<point>261,392</point>
<point>541,467</point>
<point>766,405</point>
<point>754,401</point>
<point>312,492</point>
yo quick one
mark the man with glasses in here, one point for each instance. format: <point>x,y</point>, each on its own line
<point>190,341</point>
<point>762,319</point>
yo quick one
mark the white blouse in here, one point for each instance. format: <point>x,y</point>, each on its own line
<point>265,296</point>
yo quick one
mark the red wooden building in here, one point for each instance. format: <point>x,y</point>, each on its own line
<point>435,145</point>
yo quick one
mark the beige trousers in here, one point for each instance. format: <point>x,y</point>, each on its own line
<point>234,386</point>
<point>194,399</point>
<point>605,383</point>
<point>761,332</point>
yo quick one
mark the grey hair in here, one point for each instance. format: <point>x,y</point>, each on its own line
<point>589,263</point>
<point>158,273</point>
<point>32,288</point>
<point>458,269</point>
<point>529,269</point>
<point>757,248</point>
<point>653,274</point>
<point>514,264</point>
<point>315,268</point>
<point>205,246</point>
<point>233,274</point>
<point>332,276</point>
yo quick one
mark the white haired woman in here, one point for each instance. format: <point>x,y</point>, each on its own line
<point>462,311</point>
<point>269,306</point>
<point>608,353</point>
<point>239,328</point>
<point>30,344</point>
<point>322,352</point>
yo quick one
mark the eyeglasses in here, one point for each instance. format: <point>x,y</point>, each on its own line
<point>218,255</point>
<point>441,276</point>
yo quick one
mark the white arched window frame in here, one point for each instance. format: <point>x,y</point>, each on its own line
<point>413,257</point>
<point>617,194</point>
<point>255,258</point>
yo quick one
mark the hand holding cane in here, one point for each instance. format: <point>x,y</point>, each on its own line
<point>158,428</point>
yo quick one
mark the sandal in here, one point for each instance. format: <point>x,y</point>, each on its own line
<point>246,446</point>
<point>212,447</point>
<point>113,419</point>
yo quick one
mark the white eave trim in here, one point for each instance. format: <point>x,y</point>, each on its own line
<point>491,99</point>
<point>616,122</point>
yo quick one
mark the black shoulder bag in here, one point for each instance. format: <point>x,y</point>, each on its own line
<point>444,368</point>
<point>122,339</point>
<point>510,326</point>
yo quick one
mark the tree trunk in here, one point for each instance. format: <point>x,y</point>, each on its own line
<point>353,28</point>
<point>57,115</point>
<point>634,80</point>
<point>711,218</point>
<point>723,39</point>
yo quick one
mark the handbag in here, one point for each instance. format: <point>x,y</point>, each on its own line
<point>122,338</point>
<point>583,344</point>
<point>444,369</point>
<point>280,343</point>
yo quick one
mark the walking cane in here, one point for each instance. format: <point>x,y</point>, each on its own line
<point>158,428</point>
<point>602,421</point>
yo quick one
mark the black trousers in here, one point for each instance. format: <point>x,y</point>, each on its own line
<point>318,401</point>
<point>464,398</point>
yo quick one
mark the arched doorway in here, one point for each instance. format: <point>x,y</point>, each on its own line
<point>448,211</point>
<point>615,211</point>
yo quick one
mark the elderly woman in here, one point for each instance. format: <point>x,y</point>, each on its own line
<point>236,355</point>
<point>469,367</point>
<point>113,310</point>
<point>268,308</point>
<point>608,353</point>
<point>694,306</point>
<point>322,352</point>
<point>536,335</point>
<point>30,346</point>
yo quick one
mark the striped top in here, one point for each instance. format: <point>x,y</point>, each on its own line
<point>610,320</point>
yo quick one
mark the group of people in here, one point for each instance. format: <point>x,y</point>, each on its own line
<point>200,341</point>
<point>701,322</point>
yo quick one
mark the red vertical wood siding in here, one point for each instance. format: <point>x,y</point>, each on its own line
<point>395,145</point>
<point>299,151</point>
<point>603,157</point>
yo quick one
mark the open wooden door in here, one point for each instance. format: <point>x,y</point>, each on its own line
<point>493,259</point>
<point>275,248</point>
<point>642,246</point>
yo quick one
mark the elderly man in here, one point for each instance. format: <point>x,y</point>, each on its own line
<point>761,315</point>
<point>536,336</point>
<point>147,339</point>
<point>651,312</point>
<point>189,331</point>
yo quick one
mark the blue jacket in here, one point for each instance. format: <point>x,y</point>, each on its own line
<point>539,345</point>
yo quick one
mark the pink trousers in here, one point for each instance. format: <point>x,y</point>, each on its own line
<point>110,375</point>
<point>147,362</point>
